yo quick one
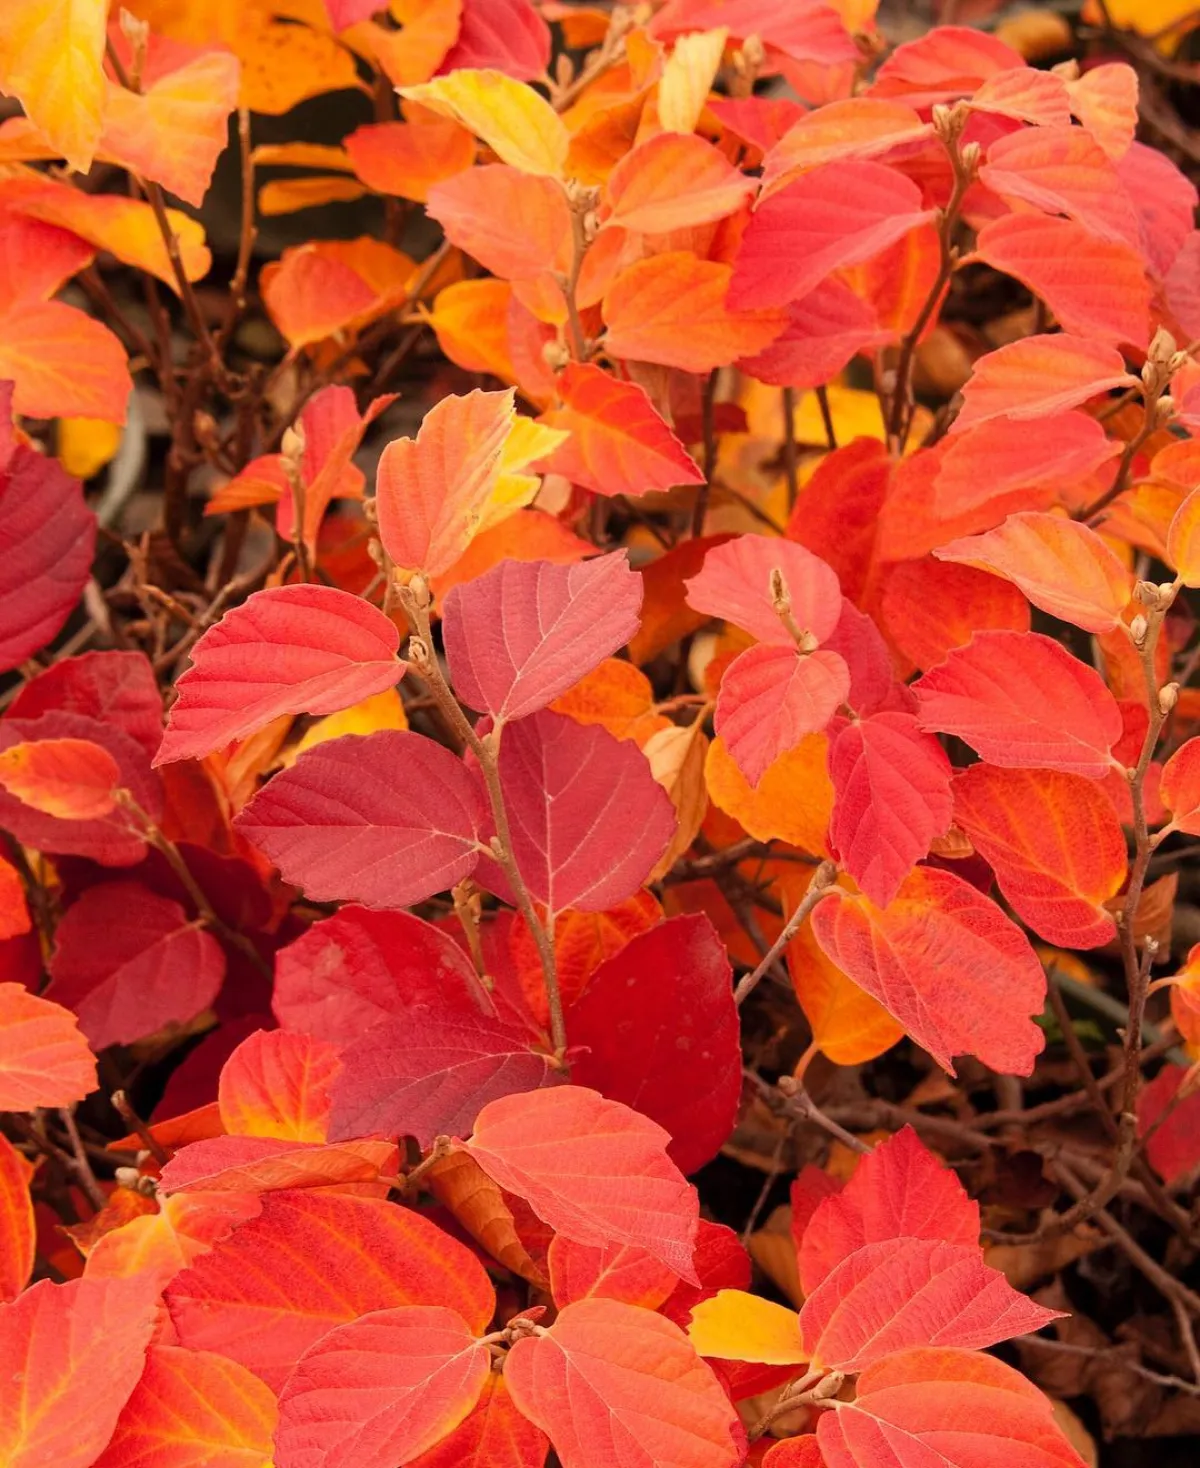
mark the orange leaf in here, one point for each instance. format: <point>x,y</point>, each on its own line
<point>516,122</point>
<point>1055,844</point>
<point>666,615</point>
<point>527,535</point>
<point>847,1024</point>
<point>432,490</point>
<point>617,695</point>
<point>1180,788</point>
<point>160,1244</point>
<point>44,1060</point>
<point>1040,375</point>
<point>615,1272</point>
<point>494,1435</point>
<point>330,286</point>
<point>1183,539</point>
<point>18,1233</point>
<point>63,363</point>
<point>277,1084</point>
<point>946,963</point>
<point>408,158</point>
<point>270,1164</point>
<point>792,802</point>
<point>1105,100</point>
<point>288,195</point>
<point>859,127</point>
<point>71,779</point>
<point>381,1390</point>
<point>429,30</point>
<point>1061,565</point>
<point>176,129</point>
<point>611,1382</point>
<point>674,181</point>
<point>516,224</point>
<point>960,1407</point>
<point>51,59</point>
<point>671,309</point>
<point>284,63</point>
<point>193,1409</point>
<point>486,1213</point>
<point>14,910</point>
<point>735,1326</point>
<point>470,319</point>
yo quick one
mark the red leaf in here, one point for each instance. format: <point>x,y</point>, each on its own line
<point>957,1408</point>
<point>525,632</point>
<point>825,329</point>
<point>1055,844</point>
<point>350,971</point>
<point>611,1383</point>
<point>891,798</point>
<point>1180,788</point>
<point>619,444</point>
<point>384,819</point>
<point>47,536</point>
<point>507,35</point>
<point>568,789</point>
<point>1095,287</point>
<point>944,961</point>
<point>290,650</point>
<point>192,1407</point>
<point>429,1076</point>
<point>930,607</point>
<point>311,1261</point>
<point>734,584</point>
<point>271,1164</point>
<point>117,688</point>
<point>771,697</point>
<point>837,215</point>
<point>615,1272</point>
<point>72,1354</point>
<point>109,840</point>
<point>278,1084</point>
<point>592,1169</point>
<point>1062,170</point>
<point>1039,376</point>
<point>1167,1125</point>
<point>854,127</point>
<point>70,779</point>
<point>900,1190</point>
<point>44,1060</point>
<point>129,962</point>
<point>380,1390</point>
<point>494,1435</point>
<point>1022,701</point>
<point>658,1030</point>
<point>999,457</point>
<point>904,1292</point>
<point>18,1231</point>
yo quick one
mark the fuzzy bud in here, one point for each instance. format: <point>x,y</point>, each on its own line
<point>292,444</point>
<point>1164,411</point>
<point>1162,348</point>
<point>1168,697</point>
<point>1138,629</point>
<point>555,356</point>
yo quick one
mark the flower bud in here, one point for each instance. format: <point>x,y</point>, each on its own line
<point>1137,630</point>
<point>1168,697</point>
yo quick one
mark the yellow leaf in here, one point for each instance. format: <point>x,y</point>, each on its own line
<point>527,440</point>
<point>735,1326</point>
<point>85,445</point>
<point>52,60</point>
<point>381,711</point>
<point>517,123</point>
<point>285,64</point>
<point>687,79</point>
<point>287,195</point>
<point>793,801</point>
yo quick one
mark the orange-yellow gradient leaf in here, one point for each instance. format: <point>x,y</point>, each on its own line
<point>381,711</point>
<point>44,1060</point>
<point>674,181</point>
<point>678,755</point>
<point>671,309</point>
<point>71,779</point>
<point>429,29</point>
<point>284,63</point>
<point>1183,540</point>
<point>193,1409</point>
<point>62,362</point>
<point>277,1083</point>
<point>158,1245</point>
<point>317,290</point>
<point>1062,566</point>
<point>736,1326</point>
<point>516,122</point>
<point>469,319</point>
<point>793,801</point>
<point>617,695</point>
<point>848,1025</point>
<point>175,131</point>
<point>51,60</point>
<point>18,1233</point>
<point>432,491</point>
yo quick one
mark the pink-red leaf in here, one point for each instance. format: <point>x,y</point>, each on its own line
<point>271,1165</point>
<point>383,819</point>
<point>771,697</point>
<point>592,1169</point>
<point>657,1028</point>
<point>130,962</point>
<point>1062,170</point>
<point>946,962</point>
<point>735,585</point>
<point>378,1391</point>
<point>1022,701</point>
<point>117,688</point>
<point>891,787</point>
<point>1038,376</point>
<point>1000,456</point>
<point>290,650</point>
<point>526,631</point>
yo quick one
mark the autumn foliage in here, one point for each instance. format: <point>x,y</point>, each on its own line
<point>597,769</point>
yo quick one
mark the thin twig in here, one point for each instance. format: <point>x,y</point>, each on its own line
<point>820,885</point>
